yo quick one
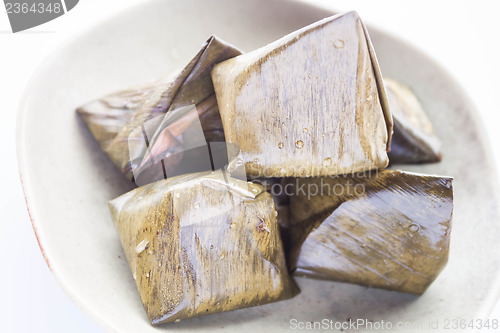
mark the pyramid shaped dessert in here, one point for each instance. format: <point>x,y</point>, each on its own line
<point>414,140</point>
<point>201,244</point>
<point>118,119</point>
<point>311,103</point>
<point>389,229</point>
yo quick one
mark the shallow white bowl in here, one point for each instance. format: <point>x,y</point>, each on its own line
<point>68,180</point>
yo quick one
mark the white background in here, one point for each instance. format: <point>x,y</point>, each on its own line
<point>463,36</point>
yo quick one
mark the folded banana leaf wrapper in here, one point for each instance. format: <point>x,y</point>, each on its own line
<point>202,243</point>
<point>150,130</point>
<point>309,104</point>
<point>414,139</point>
<point>386,229</point>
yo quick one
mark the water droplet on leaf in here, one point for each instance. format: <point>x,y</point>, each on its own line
<point>414,227</point>
<point>141,246</point>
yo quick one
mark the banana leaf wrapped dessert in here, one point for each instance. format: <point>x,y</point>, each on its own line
<point>202,243</point>
<point>309,104</point>
<point>414,140</point>
<point>160,116</point>
<point>390,229</point>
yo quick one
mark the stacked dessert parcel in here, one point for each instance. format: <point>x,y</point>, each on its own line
<point>255,167</point>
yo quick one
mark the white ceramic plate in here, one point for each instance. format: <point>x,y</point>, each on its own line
<point>68,181</point>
